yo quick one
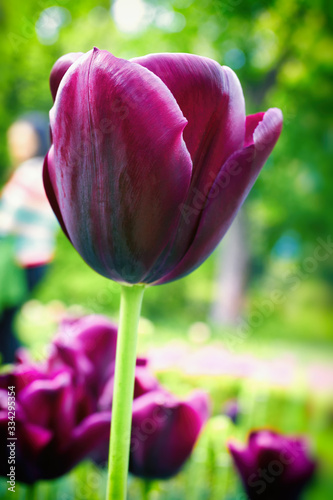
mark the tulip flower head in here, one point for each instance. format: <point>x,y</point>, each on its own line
<point>273,466</point>
<point>151,160</point>
<point>164,432</point>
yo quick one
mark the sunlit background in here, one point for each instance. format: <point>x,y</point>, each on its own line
<point>255,321</point>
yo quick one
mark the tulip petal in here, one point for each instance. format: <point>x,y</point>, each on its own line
<point>89,439</point>
<point>34,438</point>
<point>88,344</point>
<point>243,459</point>
<point>252,121</point>
<point>3,399</point>
<point>97,338</point>
<point>105,400</point>
<point>59,69</point>
<point>144,381</point>
<point>50,187</point>
<point>31,443</point>
<point>121,165</point>
<point>66,357</point>
<point>228,193</point>
<point>211,99</point>
<point>50,404</point>
<point>161,422</point>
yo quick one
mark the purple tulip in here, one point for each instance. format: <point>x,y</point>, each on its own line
<point>164,428</point>
<point>231,410</point>
<point>151,160</point>
<point>273,466</point>
<point>164,432</point>
<point>63,408</point>
<point>58,418</point>
<point>56,426</point>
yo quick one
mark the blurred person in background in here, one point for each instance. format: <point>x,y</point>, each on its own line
<point>27,224</point>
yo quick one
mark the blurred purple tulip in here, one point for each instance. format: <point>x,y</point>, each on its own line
<point>151,160</point>
<point>164,432</point>
<point>56,425</point>
<point>164,428</point>
<point>273,466</point>
<point>63,408</point>
<point>58,419</point>
<point>231,410</point>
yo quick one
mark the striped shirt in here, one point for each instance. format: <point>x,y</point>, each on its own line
<point>25,213</point>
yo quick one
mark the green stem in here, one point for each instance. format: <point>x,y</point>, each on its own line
<point>32,492</point>
<point>121,422</point>
<point>146,488</point>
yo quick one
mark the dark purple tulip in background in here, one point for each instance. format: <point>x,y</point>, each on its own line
<point>151,160</point>
<point>58,422</point>
<point>273,466</point>
<point>63,408</point>
<point>164,431</point>
<point>231,409</point>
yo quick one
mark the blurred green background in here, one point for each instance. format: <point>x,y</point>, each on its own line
<point>264,292</point>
